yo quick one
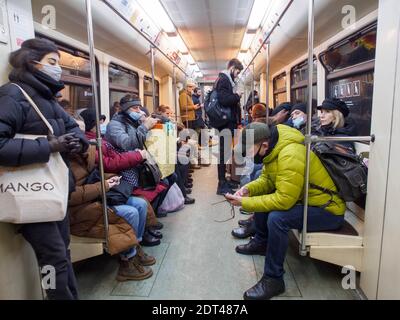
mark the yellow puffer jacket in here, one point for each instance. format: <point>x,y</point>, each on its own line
<point>281,183</point>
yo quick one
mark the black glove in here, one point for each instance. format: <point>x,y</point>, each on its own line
<point>65,143</point>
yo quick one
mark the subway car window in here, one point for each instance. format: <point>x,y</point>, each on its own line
<point>299,83</point>
<point>148,92</point>
<point>279,85</point>
<point>121,81</point>
<point>350,74</point>
<point>75,66</point>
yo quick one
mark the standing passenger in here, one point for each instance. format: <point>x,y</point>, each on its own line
<point>36,69</point>
<point>229,99</point>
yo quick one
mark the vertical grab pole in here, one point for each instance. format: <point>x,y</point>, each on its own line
<point>252,86</point>
<point>153,81</point>
<point>303,248</point>
<point>96,104</point>
<point>267,81</point>
<point>187,117</point>
<point>175,102</point>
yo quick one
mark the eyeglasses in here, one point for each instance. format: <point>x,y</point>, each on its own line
<point>232,210</point>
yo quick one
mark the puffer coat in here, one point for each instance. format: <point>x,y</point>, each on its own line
<point>281,183</point>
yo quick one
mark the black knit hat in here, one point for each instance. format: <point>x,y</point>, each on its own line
<point>89,117</point>
<point>300,106</point>
<point>283,106</point>
<point>335,104</point>
<point>130,101</point>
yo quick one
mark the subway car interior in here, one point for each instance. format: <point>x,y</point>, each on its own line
<point>201,231</point>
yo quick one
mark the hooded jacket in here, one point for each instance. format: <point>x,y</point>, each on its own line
<point>281,183</point>
<point>18,116</point>
<point>85,209</point>
<point>125,134</point>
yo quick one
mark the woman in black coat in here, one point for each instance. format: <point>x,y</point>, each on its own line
<point>36,70</point>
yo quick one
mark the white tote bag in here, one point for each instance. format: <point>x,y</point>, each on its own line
<point>37,192</point>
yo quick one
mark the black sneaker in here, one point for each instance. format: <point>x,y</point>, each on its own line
<point>223,188</point>
<point>158,226</point>
<point>265,289</point>
<point>189,200</point>
<point>233,184</point>
<point>149,240</point>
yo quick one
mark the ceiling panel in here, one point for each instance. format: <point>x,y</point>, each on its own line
<point>212,29</point>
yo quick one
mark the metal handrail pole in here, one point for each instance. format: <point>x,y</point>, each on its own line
<point>269,35</point>
<point>143,35</point>
<point>252,87</point>
<point>315,138</point>
<point>93,76</point>
<point>303,248</point>
<point>153,82</point>
<point>267,80</point>
<point>175,102</point>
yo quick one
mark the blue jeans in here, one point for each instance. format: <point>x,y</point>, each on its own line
<point>247,178</point>
<point>133,212</point>
<point>272,229</point>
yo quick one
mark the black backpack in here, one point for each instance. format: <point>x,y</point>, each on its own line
<point>346,169</point>
<point>218,115</point>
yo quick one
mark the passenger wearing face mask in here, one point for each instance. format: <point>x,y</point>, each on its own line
<point>128,129</point>
<point>229,98</point>
<point>36,69</point>
<point>276,198</point>
<point>298,117</point>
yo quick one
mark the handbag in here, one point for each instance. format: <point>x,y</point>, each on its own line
<point>149,173</point>
<point>36,192</point>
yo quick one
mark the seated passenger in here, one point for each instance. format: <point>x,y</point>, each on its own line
<point>126,221</point>
<point>298,117</point>
<point>128,129</point>
<point>276,198</point>
<point>333,121</point>
<point>281,113</point>
<point>115,162</point>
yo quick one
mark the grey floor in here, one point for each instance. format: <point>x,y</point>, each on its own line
<point>197,260</point>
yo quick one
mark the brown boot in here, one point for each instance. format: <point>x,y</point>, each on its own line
<point>143,258</point>
<point>132,270</point>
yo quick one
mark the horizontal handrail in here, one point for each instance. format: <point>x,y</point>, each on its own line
<point>315,138</point>
<point>269,35</point>
<point>144,36</point>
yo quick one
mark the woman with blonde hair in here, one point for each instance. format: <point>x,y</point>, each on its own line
<point>333,121</point>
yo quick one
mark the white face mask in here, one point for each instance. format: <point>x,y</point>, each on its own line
<point>52,71</point>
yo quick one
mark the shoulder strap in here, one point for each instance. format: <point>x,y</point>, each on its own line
<point>34,106</point>
<point>216,82</point>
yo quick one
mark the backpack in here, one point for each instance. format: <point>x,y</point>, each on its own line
<point>218,115</point>
<point>346,169</point>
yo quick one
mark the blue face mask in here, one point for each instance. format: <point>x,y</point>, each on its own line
<point>298,122</point>
<point>52,71</point>
<point>135,116</point>
<point>103,129</point>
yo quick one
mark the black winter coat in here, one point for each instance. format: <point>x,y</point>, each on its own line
<point>17,116</point>
<point>228,99</point>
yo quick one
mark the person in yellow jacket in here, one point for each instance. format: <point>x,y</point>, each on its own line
<point>276,198</point>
